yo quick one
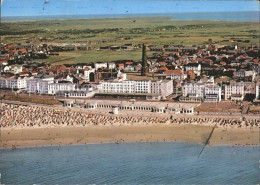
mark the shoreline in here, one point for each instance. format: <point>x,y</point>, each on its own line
<point>80,135</point>
<point>24,124</point>
<point>171,16</point>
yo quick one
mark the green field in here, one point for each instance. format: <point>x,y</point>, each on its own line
<point>152,30</point>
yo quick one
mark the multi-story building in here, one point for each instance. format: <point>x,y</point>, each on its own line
<point>175,74</point>
<point>54,88</point>
<point>13,69</point>
<point>245,75</point>
<point>100,65</point>
<point>234,91</point>
<point>212,93</point>
<point>13,83</point>
<point>161,88</point>
<point>201,92</point>
<point>37,86</point>
<point>195,67</point>
<point>2,83</point>
<point>87,72</point>
<point>192,92</point>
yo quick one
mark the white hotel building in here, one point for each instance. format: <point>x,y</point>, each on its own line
<point>13,83</point>
<point>235,91</point>
<point>161,88</point>
<point>212,93</point>
<point>201,92</point>
<point>37,86</point>
<point>53,88</point>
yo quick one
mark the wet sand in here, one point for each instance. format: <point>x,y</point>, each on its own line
<point>27,137</point>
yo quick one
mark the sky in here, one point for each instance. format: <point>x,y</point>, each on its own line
<point>92,7</point>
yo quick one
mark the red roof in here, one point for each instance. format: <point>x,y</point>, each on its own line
<point>163,69</point>
<point>174,72</point>
<point>87,68</point>
<point>62,67</point>
<point>190,72</point>
<point>22,50</point>
<point>129,63</point>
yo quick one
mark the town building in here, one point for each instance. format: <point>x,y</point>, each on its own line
<point>89,74</point>
<point>245,75</point>
<point>234,91</point>
<point>176,74</point>
<point>111,65</point>
<point>45,77</point>
<point>192,92</point>
<point>158,88</point>
<point>201,92</point>
<point>13,83</point>
<point>212,93</point>
<point>133,105</point>
<point>37,86</point>
<point>195,67</point>
<point>100,65</point>
<point>54,88</point>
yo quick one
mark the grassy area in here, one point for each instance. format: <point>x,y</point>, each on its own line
<point>74,57</point>
<point>152,30</point>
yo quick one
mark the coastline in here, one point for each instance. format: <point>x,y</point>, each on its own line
<point>59,136</point>
<point>30,125</point>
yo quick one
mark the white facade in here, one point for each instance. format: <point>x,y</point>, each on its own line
<point>201,92</point>
<point>87,73</point>
<point>53,88</point>
<point>234,89</point>
<point>111,65</point>
<point>129,68</point>
<point>163,88</point>
<point>117,87</point>
<point>13,83</point>
<point>196,68</point>
<point>37,86</point>
<point>100,65</point>
<point>193,90</point>
<point>175,74</point>
<point>2,83</point>
<point>121,76</point>
<point>13,68</point>
<point>212,93</point>
<point>69,78</point>
<point>257,91</point>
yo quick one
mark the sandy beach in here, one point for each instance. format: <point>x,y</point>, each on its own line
<point>117,134</point>
<point>31,125</point>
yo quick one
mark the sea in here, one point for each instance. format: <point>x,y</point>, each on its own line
<point>252,16</point>
<point>131,163</point>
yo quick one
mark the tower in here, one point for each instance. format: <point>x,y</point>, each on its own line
<point>144,70</point>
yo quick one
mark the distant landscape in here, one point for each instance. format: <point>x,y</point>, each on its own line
<point>156,31</point>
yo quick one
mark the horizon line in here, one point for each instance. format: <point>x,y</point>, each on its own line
<point>125,14</point>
